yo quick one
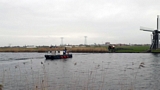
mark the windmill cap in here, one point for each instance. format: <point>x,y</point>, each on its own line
<point>157,16</point>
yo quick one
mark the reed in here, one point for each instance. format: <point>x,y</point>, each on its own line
<point>74,49</point>
<point>1,86</point>
<point>89,49</point>
<point>41,82</point>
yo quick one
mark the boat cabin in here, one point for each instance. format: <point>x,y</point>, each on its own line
<point>58,55</point>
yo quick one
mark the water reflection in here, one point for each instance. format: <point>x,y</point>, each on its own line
<point>156,54</point>
<point>155,71</point>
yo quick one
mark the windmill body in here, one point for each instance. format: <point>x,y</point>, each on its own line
<point>155,41</point>
<point>155,36</point>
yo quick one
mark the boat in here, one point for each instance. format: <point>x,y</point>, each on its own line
<point>58,55</point>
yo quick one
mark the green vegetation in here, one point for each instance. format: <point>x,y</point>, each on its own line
<point>131,49</point>
<point>156,51</point>
<point>135,49</point>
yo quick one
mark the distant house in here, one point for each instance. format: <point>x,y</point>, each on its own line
<point>69,46</point>
<point>31,46</point>
<point>107,43</point>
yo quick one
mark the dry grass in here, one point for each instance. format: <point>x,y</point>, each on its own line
<point>1,86</point>
<point>75,49</point>
<point>89,49</point>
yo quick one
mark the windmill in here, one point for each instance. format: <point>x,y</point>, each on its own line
<point>155,36</point>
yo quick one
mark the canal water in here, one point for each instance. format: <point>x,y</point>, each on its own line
<point>85,71</point>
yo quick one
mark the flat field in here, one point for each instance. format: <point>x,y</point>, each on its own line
<point>132,49</point>
<point>135,49</point>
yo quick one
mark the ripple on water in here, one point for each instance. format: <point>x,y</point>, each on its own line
<point>92,71</point>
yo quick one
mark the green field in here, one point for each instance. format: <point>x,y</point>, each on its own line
<point>132,49</point>
<point>135,49</point>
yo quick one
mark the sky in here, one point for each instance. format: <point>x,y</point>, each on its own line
<point>45,22</point>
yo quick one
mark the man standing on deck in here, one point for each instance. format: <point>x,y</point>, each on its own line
<point>65,50</point>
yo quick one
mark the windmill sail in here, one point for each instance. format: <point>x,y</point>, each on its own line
<point>146,30</point>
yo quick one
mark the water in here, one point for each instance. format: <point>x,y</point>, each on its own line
<point>85,71</point>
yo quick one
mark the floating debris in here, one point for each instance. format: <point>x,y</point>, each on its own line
<point>141,65</point>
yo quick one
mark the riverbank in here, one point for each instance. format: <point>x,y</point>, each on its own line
<point>46,49</point>
<point>104,49</point>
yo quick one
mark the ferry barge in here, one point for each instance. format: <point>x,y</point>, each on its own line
<point>58,55</point>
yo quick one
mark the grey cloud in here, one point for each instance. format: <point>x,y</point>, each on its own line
<point>102,20</point>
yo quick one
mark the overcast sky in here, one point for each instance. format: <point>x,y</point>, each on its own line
<point>44,22</point>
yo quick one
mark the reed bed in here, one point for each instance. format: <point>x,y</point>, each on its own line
<point>74,49</point>
<point>89,49</point>
<point>24,49</point>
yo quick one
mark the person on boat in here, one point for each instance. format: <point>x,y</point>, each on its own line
<point>65,51</point>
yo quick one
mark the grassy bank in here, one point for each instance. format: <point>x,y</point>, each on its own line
<point>135,49</point>
<point>132,49</point>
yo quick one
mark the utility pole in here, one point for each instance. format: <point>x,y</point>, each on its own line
<point>85,40</point>
<point>61,41</point>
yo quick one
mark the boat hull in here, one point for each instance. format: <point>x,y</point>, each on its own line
<point>58,56</point>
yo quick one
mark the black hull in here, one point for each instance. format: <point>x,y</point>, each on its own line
<point>58,56</point>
